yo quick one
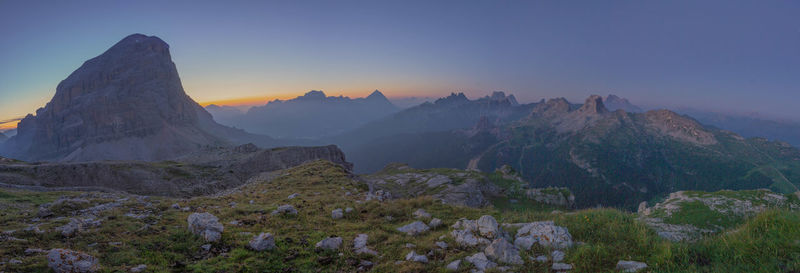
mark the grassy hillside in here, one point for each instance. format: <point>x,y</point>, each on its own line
<point>148,231</point>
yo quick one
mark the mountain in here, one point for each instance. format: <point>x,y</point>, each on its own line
<point>614,103</point>
<point>223,113</point>
<point>748,125</point>
<point>312,115</point>
<point>418,135</point>
<point>620,158</point>
<point>125,104</point>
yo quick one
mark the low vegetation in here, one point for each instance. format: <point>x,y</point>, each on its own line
<point>153,232</point>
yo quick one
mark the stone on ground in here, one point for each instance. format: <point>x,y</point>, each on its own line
<point>631,266</point>
<point>331,243</point>
<point>205,225</point>
<point>285,209</point>
<point>545,233</point>
<point>480,261</point>
<point>337,214</point>
<point>488,227</point>
<point>501,251</point>
<point>263,241</point>
<point>453,266</point>
<point>414,257</point>
<point>414,228</point>
<point>69,261</point>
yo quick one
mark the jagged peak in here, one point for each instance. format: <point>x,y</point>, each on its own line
<point>453,98</point>
<point>593,105</point>
<point>557,105</point>
<point>376,95</point>
<point>313,95</point>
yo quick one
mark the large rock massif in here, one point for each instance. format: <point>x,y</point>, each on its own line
<point>126,104</point>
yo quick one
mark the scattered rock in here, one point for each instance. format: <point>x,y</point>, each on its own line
<point>545,233</point>
<point>410,245</point>
<point>558,255</point>
<point>441,245</point>
<point>502,251</point>
<point>337,214</point>
<point>69,261</point>
<point>331,243</point>
<point>414,228</point>
<point>263,241</point>
<point>560,267</point>
<point>631,266</point>
<point>435,222</point>
<point>138,268</point>
<point>293,196</point>
<point>379,196</point>
<point>453,266</point>
<point>31,251</point>
<point>421,213</point>
<point>541,258</point>
<point>205,225</point>
<point>348,210</point>
<point>175,206</point>
<point>464,234</point>
<point>285,209</point>
<point>206,247</point>
<point>360,245</point>
<point>15,262</point>
<point>77,225</point>
<point>414,257</point>
<point>480,261</point>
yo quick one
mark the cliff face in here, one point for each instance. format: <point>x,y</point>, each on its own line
<point>204,172</point>
<point>125,104</point>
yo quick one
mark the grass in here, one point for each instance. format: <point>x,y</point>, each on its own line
<point>769,242</point>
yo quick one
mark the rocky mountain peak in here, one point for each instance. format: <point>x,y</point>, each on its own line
<point>593,105</point>
<point>453,98</point>
<point>127,103</point>
<point>376,95</point>
<point>313,95</point>
<point>614,102</point>
<point>552,107</point>
<point>679,127</point>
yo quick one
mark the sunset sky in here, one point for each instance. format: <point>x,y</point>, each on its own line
<point>726,55</point>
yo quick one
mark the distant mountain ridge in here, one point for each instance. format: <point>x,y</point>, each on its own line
<point>125,104</point>
<point>312,115</point>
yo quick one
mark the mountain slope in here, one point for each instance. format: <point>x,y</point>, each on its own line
<point>619,159</point>
<point>312,115</point>
<point>125,104</point>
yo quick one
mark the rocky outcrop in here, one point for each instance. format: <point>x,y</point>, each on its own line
<point>679,127</point>
<point>724,206</point>
<point>561,197</point>
<point>125,104</point>
<point>456,187</point>
<point>202,172</point>
<point>545,233</point>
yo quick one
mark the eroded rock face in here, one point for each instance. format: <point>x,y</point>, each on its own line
<point>205,225</point>
<point>70,261</point>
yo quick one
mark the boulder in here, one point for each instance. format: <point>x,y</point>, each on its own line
<point>331,243</point>
<point>414,228</point>
<point>464,234</point>
<point>263,241</point>
<point>337,214</point>
<point>414,257</point>
<point>205,225</point>
<point>558,255</point>
<point>561,267</point>
<point>421,214</point>
<point>488,227</point>
<point>630,266</point>
<point>453,266</point>
<point>70,261</point>
<point>435,222</point>
<point>285,209</point>
<point>480,261</point>
<point>501,251</point>
<point>139,268</point>
<point>545,233</point>
<point>77,225</point>
<point>360,245</point>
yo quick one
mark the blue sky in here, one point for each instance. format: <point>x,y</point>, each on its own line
<point>724,55</point>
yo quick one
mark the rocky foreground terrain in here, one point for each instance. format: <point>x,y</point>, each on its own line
<point>319,217</point>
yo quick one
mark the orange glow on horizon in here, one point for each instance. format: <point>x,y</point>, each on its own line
<point>9,125</point>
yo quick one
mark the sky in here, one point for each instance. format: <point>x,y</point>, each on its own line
<point>728,55</point>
